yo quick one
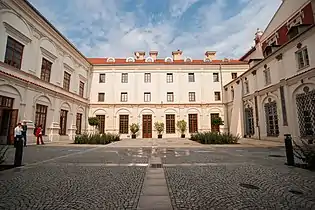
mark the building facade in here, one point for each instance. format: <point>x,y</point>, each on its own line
<point>44,80</point>
<point>145,90</point>
<point>276,95</point>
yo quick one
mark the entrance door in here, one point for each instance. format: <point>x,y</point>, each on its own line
<point>13,122</point>
<point>214,128</point>
<point>193,123</point>
<point>146,126</point>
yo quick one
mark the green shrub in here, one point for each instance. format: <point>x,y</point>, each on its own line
<point>181,126</point>
<point>105,138</point>
<point>159,127</point>
<point>214,138</point>
<point>305,152</point>
<point>93,121</point>
<point>134,128</point>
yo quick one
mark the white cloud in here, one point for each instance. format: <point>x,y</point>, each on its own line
<point>105,29</point>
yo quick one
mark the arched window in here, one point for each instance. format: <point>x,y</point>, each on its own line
<point>188,59</point>
<point>110,59</point>
<point>207,60</point>
<point>130,59</point>
<point>168,59</point>
<point>149,59</point>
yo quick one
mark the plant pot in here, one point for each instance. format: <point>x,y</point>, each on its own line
<point>133,136</point>
<point>182,135</point>
<point>159,136</point>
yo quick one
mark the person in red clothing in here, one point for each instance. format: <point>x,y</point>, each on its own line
<point>39,134</point>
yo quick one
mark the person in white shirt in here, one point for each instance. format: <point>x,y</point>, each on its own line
<point>18,132</point>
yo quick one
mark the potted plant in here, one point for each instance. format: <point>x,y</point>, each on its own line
<point>93,121</point>
<point>217,121</point>
<point>159,127</point>
<point>134,128</point>
<point>182,127</point>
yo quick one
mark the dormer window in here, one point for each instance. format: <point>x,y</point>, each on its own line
<point>297,20</point>
<point>149,59</point>
<point>207,60</point>
<point>273,40</point>
<point>130,59</point>
<point>188,59</point>
<point>110,60</point>
<point>168,60</point>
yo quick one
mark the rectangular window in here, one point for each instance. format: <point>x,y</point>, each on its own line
<point>169,77</point>
<point>101,97</point>
<point>191,77</point>
<point>232,94</point>
<point>217,96</point>
<point>78,123</point>
<point>193,123</point>
<point>123,124</point>
<point>147,77</point>
<point>102,78</point>
<point>66,81</point>
<point>101,124</point>
<point>192,96</point>
<point>246,87</point>
<point>81,89</point>
<point>124,97</point>
<point>215,77</point>
<point>14,53</point>
<point>124,78</point>
<point>267,76</point>
<point>41,116</point>
<point>147,97</point>
<point>234,75</point>
<point>170,96</point>
<point>170,123</point>
<point>46,70</point>
<point>63,122</point>
<point>6,102</point>
<point>302,58</point>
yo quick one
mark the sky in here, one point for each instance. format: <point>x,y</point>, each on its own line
<point>118,28</point>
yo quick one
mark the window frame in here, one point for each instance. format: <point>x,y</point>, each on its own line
<point>170,95</point>
<point>45,70</point>
<point>123,97</point>
<point>217,78</point>
<point>219,95</point>
<point>100,78</point>
<point>191,77</point>
<point>170,124</point>
<point>99,97</point>
<point>66,81</point>
<point>169,78</point>
<point>147,96</point>
<point>81,89</point>
<point>123,124</point>
<point>14,50</point>
<point>232,75</point>
<point>302,54</point>
<point>192,96</point>
<point>147,77</point>
<point>124,77</point>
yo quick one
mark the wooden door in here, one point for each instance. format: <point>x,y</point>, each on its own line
<point>13,123</point>
<point>214,128</point>
<point>193,123</point>
<point>146,126</point>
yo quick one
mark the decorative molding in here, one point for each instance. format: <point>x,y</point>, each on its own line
<point>299,45</point>
<point>279,57</point>
<point>48,54</point>
<point>82,78</point>
<point>237,82</point>
<point>67,67</point>
<point>14,32</point>
<point>3,5</point>
<point>36,33</point>
<point>254,72</point>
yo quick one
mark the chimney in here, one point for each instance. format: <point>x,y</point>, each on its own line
<point>258,35</point>
<point>210,54</point>
<point>177,55</point>
<point>153,54</point>
<point>140,55</point>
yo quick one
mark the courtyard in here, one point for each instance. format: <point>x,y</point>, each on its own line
<point>156,174</point>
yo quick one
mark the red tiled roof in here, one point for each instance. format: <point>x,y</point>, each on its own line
<point>122,61</point>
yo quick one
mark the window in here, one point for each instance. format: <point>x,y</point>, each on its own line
<point>169,77</point>
<point>191,77</point>
<point>302,58</point>
<point>66,81</point>
<point>234,75</point>
<point>246,87</point>
<point>102,78</point>
<point>78,123</point>
<point>214,127</point>
<point>272,122</point>
<point>81,89</point>
<point>192,96</point>
<point>170,123</point>
<point>124,97</point>
<point>267,76</point>
<point>6,102</point>
<point>101,97</point>
<point>147,97</point>
<point>124,78</point>
<point>215,77</point>
<point>123,124</point>
<point>41,116</point>
<point>14,53</point>
<point>217,96</point>
<point>46,70</point>
<point>193,123</point>
<point>170,96</point>
<point>232,94</point>
<point>63,122</point>
<point>147,77</point>
<point>101,124</point>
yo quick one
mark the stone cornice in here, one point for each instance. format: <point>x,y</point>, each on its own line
<point>17,34</point>
<point>68,68</point>
<point>48,54</point>
<point>173,105</point>
<point>81,77</point>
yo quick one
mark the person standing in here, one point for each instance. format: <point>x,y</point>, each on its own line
<point>18,143</point>
<point>18,136</point>
<point>39,134</point>
<point>24,132</point>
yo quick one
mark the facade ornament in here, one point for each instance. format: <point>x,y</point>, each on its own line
<point>3,5</point>
<point>279,57</point>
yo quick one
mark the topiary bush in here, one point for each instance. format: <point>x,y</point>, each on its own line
<point>105,138</point>
<point>214,138</point>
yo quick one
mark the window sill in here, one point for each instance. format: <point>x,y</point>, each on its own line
<point>303,68</point>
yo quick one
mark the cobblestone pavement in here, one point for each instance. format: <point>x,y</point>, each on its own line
<point>197,178</point>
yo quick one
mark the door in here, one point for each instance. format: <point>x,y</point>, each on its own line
<point>193,123</point>
<point>13,122</point>
<point>249,122</point>
<point>146,126</point>
<point>214,128</point>
<point>63,122</point>
<point>101,123</point>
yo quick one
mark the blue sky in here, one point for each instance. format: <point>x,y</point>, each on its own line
<point>117,28</point>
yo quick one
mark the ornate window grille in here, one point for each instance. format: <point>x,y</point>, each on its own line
<point>306,112</point>
<point>272,121</point>
<point>249,121</point>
